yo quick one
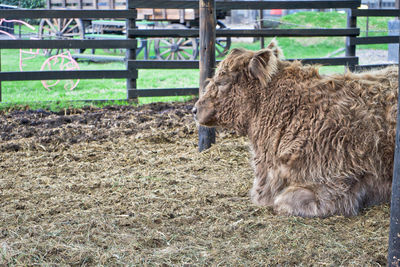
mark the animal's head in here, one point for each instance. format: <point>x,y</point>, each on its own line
<point>233,86</point>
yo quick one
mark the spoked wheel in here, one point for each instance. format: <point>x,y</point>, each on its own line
<point>63,61</point>
<point>222,44</point>
<point>176,48</point>
<point>61,29</point>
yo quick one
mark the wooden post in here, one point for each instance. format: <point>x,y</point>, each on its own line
<point>394,233</point>
<point>350,49</point>
<point>207,61</point>
<point>130,54</point>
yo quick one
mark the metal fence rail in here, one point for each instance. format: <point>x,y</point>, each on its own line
<point>353,41</point>
<point>7,26</point>
<point>247,33</point>
<point>129,43</point>
<point>229,5</point>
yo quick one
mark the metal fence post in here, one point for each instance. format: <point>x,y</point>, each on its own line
<point>131,54</point>
<point>262,40</point>
<point>207,61</point>
<point>350,48</point>
<point>394,233</point>
<point>0,80</point>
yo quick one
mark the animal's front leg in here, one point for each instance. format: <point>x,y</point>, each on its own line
<point>260,192</point>
<point>299,201</point>
<point>268,182</point>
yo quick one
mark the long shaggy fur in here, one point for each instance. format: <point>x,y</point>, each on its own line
<point>322,145</point>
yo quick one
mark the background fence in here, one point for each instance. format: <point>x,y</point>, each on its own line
<point>353,41</point>
<point>133,34</point>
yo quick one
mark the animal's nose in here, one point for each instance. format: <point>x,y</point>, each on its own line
<point>194,110</point>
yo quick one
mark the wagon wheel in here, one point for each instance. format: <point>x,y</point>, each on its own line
<point>63,61</point>
<point>176,48</point>
<point>222,44</point>
<point>61,29</point>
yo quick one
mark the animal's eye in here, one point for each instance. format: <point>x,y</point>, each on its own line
<point>221,83</point>
<point>223,87</point>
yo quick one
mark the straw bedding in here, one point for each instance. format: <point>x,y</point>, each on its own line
<point>126,186</point>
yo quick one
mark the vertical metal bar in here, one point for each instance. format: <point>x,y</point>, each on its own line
<point>0,80</point>
<point>208,22</point>
<point>350,49</point>
<point>262,41</point>
<point>131,55</point>
<point>394,233</point>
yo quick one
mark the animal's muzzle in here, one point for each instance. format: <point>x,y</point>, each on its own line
<point>194,110</point>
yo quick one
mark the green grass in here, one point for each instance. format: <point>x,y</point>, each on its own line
<point>377,26</point>
<point>22,92</point>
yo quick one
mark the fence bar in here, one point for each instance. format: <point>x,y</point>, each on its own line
<point>372,66</point>
<point>374,40</point>
<point>394,233</point>
<point>262,41</point>
<point>98,43</point>
<point>164,92</point>
<point>376,12</point>
<point>351,48</point>
<point>65,75</point>
<point>335,61</point>
<point>208,22</point>
<point>95,58</point>
<point>131,83</point>
<point>0,72</point>
<point>65,13</point>
<point>247,32</point>
<point>194,64</point>
<point>70,101</point>
<point>164,64</point>
<point>278,4</point>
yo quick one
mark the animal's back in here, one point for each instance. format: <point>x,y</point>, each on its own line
<point>344,126</point>
<point>340,141</point>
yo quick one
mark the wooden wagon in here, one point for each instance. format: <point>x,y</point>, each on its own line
<point>165,48</point>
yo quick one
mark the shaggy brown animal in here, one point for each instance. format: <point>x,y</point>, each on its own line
<point>322,145</point>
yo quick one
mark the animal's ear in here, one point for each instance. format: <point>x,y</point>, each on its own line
<point>236,51</point>
<point>263,65</point>
<point>273,45</point>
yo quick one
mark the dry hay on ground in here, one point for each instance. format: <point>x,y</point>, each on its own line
<point>126,186</point>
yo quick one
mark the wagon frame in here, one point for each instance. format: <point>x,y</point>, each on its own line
<point>159,18</point>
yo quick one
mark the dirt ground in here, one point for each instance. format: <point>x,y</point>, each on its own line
<point>125,186</point>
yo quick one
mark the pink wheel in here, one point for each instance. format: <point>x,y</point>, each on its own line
<point>26,55</point>
<point>64,62</point>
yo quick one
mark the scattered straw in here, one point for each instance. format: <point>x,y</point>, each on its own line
<point>126,186</point>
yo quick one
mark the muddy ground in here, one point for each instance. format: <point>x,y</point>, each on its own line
<point>125,186</point>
